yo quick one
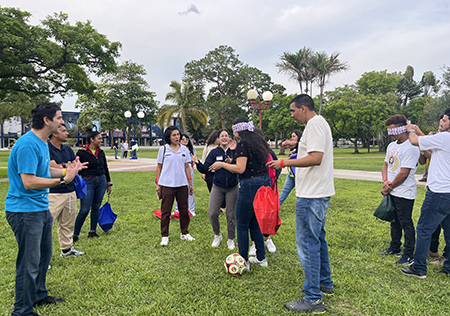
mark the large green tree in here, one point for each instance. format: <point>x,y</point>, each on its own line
<point>184,107</point>
<point>225,80</point>
<point>298,67</point>
<point>408,88</point>
<point>325,66</point>
<point>124,90</point>
<point>52,58</point>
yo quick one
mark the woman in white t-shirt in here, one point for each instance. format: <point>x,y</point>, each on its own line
<point>174,180</point>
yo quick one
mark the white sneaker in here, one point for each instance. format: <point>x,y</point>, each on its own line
<point>164,241</point>
<point>247,266</point>
<point>252,251</point>
<point>262,263</point>
<point>270,245</point>
<point>216,241</point>
<point>230,244</point>
<point>71,252</point>
<point>187,237</point>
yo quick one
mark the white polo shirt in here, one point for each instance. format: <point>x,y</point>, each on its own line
<point>173,167</point>
<point>439,171</point>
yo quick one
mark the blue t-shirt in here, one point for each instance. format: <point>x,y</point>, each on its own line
<point>29,155</point>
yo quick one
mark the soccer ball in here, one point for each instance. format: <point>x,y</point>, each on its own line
<point>235,264</point>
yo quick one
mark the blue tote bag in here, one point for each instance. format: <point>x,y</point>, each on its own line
<point>106,217</point>
<point>80,186</point>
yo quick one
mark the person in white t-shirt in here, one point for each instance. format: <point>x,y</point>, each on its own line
<point>174,181</point>
<point>436,206</point>
<point>314,186</point>
<point>398,171</point>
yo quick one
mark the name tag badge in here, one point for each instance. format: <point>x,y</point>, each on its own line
<point>219,158</point>
<point>168,155</point>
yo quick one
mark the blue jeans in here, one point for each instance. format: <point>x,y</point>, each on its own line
<point>33,232</point>
<point>115,152</point>
<point>246,218</point>
<point>435,210</point>
<point>289,184</point>
<point>312,246</point>
<point>134,154</point>
<point>95,190</point>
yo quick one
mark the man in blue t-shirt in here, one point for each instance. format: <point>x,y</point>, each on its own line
<point>27,209</point>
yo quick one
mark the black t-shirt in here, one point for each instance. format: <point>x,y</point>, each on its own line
<point>254,168</point>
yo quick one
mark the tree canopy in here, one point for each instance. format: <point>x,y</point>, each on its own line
<point>184,108</point>
<point>124,90</point>
<point>227,79</point>
<point>52,58</point>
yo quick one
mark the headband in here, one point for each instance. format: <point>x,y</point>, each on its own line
<point>398,130</point>
<point>243,126</point>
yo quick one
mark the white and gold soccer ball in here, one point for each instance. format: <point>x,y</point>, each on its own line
<point>235,264</point>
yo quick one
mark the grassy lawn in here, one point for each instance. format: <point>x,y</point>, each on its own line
<point>127,272</point>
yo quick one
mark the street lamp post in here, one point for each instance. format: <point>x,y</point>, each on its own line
<point>267,97</point>
<point>134,121</point>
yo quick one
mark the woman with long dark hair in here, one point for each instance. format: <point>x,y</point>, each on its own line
<point>174,181</point>
<point>97,180</point>
<point>250,160</point>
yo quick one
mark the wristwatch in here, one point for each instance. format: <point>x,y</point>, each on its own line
<point>62,182</point>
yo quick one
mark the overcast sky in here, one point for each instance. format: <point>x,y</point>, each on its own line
<point>165,35</point>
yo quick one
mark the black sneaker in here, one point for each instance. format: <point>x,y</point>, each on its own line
<point>49,300</point>
<point>305,306</point>
<point>391,252</point>
<point>327,290</point>
<point>411,271</point>
<point>93,235</point>
<point>405,260</point>
<point>443,270</point>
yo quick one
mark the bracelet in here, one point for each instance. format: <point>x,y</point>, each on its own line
<point>385,180</point>
<point>281,163</point>
<point>422,134</point>
<point>411,130</point>
<point>64,172</point>
<point>189,179</point>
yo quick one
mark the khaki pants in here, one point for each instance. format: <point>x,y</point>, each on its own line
<point>63,207</point>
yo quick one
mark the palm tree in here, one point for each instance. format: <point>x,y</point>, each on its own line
<point>184,98</point>
<point>325,66</point>
<point>297,67</point>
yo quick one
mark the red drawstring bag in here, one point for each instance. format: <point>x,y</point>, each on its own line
<point>267,209</point>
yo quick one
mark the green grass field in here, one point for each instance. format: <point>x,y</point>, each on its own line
<point>127,272</point>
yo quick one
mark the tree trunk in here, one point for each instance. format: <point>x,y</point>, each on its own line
<point>355,144</point>
<point>276,140</point>
<point>321,98</point>
<point>223,120</point>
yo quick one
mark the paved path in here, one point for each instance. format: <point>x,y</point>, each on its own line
<point>149,164</point>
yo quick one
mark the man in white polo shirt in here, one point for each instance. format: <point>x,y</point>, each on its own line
<point>436,206</point>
